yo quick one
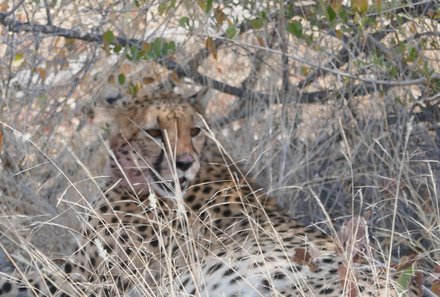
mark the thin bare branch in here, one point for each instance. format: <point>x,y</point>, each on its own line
<point>258,62</point>
<point>49,18</point>
<point>14,8</point>
<point>192,73</point>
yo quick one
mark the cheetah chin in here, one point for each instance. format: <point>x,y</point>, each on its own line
<point>168,188</point>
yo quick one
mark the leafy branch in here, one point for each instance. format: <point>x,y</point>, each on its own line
<point>189,70</point>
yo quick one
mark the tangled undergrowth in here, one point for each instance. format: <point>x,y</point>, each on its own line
<point>327,160</point>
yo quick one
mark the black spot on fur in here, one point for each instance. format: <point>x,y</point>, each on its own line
<point>235,280</point>
<point>123,238</point>
<point>154,242</point>
<point>196,206</point>
<point>326,291</point>
<point>207,189</point>
<point>6,287</point>
<point>108,248</point>
<point>228,272</point>
<point>190,198</point>
<point>215,267</point>
<point>227,213</point>
<point>103,208</point>
<point>328,260</point>
<point>68,268</point>
<point>142,228</point>
<point>265,284</point>
<point>279,275</point>
<point>158,162</point>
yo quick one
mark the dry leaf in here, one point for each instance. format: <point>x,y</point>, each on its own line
<point>408,276</point>
<point>418,281</point>
<point>4,6</point>
<point>148,80</point>
<point>1,140</point>
<point>260,41</point>
<point>302,256</point>
<point>435,280</point>
<point>175,77</point>
<point>146,46</point>
<point>210,46</point>
<point>41,72</point>
<point>219,15</point>
<point>378,4</point>
<point>435,288</point>
<point>125,69</point>
<point>336,5</point>
<point>405,262</point>
<point>111,79</point>
<point>347,280</point>
<point>360,6</point>
<point>353,237</point>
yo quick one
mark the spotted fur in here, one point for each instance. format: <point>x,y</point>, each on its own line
<point>170,222</point>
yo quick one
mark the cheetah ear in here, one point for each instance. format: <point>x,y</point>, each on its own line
<point>114,119</point>
<point>200,100</point>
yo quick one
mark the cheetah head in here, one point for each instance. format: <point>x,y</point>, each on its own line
<point>157,145</point>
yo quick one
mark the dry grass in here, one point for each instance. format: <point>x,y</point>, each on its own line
<point>325,162</point>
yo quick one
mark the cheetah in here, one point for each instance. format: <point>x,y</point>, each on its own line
<point>172,222</point>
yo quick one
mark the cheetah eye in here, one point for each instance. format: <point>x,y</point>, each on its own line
<point>195,131</point>
<point>155,133</point>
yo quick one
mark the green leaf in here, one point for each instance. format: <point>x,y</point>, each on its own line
<point>170,48</point>
<point>117,49</point>
<point>263,15</point>
<point>331,15</point>
<point>435,85</point>
<point>257,23</point>
<point>133,89</point>
<point>208,5</point>
<point>343,15</point>
<point>394,72</point>
<point>289,10</point>
<point>18,57</point>
<point>400,48</point>
<point>162,8</point>
<point>231,31</point>
<point>121,78</point>
<point>184,22</point>
<point>108,37</point>
<point>413,54</point>
<point>295,28</point>
<point>133,53</point>
<point>405,279</point>
<point>160,48</point>
<point>359,6</point>
<point>308,39</point>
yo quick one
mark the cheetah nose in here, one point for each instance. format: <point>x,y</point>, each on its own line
<point>184,161</point>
